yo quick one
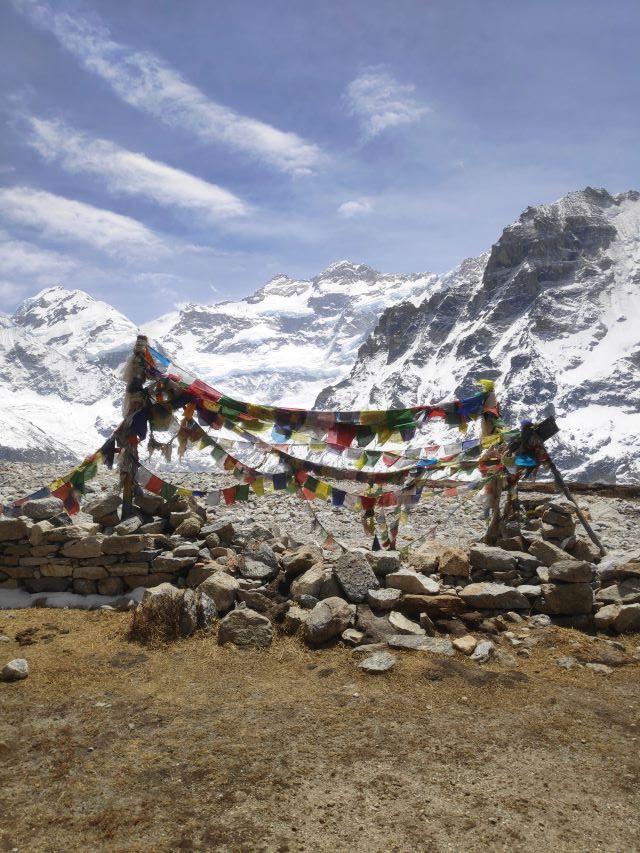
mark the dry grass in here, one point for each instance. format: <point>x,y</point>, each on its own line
<point>109,745</point>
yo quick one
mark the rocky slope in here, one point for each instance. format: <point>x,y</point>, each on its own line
<point>552,312</point>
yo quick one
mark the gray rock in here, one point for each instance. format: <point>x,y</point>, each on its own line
<point>301,559</point>
<point>189,528</point>
<point>245,628</point>
<point>606,616</point>
<point>256,599</point>
<point>328,619</point>
<point>410,581</point>
<point>352,637</point>
<point>153,527</point>
<point>494,596</point>
<point>105,505</point>
<point>168,563</point>
<point>123,544</point>
<point>547,553</point>
<point>90,546</point>
<point>377,662</point>
<point>567,662</point>
<point>294,619</point>
<point>383,599</point>
<point>257,571</point>
<point>566,599</point>
<point>439,646</point>
<point>624,592</point>
<point>311,581</point>
<point>186,550</point>
<point>384,562</point>
<point>16,670</point>
<point>402,625</point>
<point>12,529</point>
<point>531,591</point>
<point>375,628</point>
<point>128,526</point>
<point>222,589</point>
<point>42,509</point>
<point>355,576</point>
<point>188,619</point>
<point>491,559</point>
<point>483,651</point>
<point>570,571</point>
<point>38,531</point>
<point>265,554</point>
<point>627,620</point>
<point>206,612</point>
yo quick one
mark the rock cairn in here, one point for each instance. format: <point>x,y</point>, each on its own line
<point>203,568</point>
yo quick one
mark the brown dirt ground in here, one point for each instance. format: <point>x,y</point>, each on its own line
<point>112,746</point>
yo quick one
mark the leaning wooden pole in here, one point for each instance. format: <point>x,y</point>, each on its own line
<point>134,375</point>
<point>490,414</point>
<point>557,476</point>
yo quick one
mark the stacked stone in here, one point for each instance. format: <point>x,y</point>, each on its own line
<point>206,566</point>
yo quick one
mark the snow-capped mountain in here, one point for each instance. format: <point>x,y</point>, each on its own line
<point>290,339</point>
<point>61,352</point>
<point>58,394</point>
<point>552,312</point>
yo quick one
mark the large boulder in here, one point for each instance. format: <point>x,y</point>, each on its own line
<point>355,576</point>
<point>328,619</point>
<point>222,588</point>
<point>566,599</point>
<point>570,571</point>
<point>547,553</point>
<point>410,581</point>
<point>623,592</point>
<point>311,581</point>
<point>493,596</point>
<point>104,507</point>
<point>627,619</point>
<point>303,558</point>
<point>245,628</point>
<point>159,616</point>
<point>491,559</point>
<point>42,509</point>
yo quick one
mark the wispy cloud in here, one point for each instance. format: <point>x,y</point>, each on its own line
<point>356,207</point>
<point>21,258</point>
<point>380,101</point>
<point>129,172</point>
<point>59,218</point>
<point>143,80</point>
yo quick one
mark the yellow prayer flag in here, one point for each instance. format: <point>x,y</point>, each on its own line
<point>323,490</point>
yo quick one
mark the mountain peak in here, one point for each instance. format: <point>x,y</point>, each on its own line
<point>347,271</point>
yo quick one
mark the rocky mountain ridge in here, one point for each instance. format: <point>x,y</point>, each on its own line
<point>551,312</point>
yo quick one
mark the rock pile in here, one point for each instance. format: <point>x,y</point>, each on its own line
<point>204,567</point>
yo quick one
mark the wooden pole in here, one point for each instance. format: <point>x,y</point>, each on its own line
<point>557,476</point>
<point>133,402</point>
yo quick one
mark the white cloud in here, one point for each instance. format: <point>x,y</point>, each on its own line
<point>20,258</point>
<point>131,173</point>
<point>357,207</point>
<point>11,292</point>
<point>380,101</point>
<point>143,80</point>
<point>59,218</point>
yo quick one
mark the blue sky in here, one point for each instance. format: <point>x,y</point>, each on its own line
<point>159,152</point>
